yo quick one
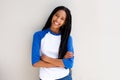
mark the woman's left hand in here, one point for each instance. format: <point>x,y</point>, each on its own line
<point>68,55</point>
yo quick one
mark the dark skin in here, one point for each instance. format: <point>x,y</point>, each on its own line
<point>52,62</point>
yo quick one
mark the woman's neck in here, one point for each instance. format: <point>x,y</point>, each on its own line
<point>55,30</point>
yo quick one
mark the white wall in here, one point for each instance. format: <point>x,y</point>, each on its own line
<point>96,35</point>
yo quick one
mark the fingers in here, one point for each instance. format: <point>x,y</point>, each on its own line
<point>68,55</point>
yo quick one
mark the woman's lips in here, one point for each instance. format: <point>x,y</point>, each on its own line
<point>56,23</point>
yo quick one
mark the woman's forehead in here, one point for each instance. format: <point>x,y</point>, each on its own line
<point>61,12</point>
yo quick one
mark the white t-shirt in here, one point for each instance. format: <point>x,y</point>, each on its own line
<point>50,47</point>
<point>46,42</point>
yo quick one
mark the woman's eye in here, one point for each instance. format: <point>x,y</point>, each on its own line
<point>62,19</point>
<point>57,15</point>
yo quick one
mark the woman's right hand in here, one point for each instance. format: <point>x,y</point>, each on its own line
<point>68,55</point>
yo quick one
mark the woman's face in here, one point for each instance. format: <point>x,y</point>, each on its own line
<point>58,19</point>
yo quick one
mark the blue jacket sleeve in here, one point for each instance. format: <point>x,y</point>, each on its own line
<point>68,62</point>
<point>36,48</point>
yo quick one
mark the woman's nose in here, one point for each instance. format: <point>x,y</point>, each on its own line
<point>58,19</point>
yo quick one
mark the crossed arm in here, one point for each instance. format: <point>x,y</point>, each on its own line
<point>52,62</point>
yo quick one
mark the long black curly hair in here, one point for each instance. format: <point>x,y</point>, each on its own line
<point>65,29</point>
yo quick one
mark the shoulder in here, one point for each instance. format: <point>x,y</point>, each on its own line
<point>41,33</point>
<point>70,37</point>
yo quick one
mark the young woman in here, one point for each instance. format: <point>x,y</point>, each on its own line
<point>52,49</point>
